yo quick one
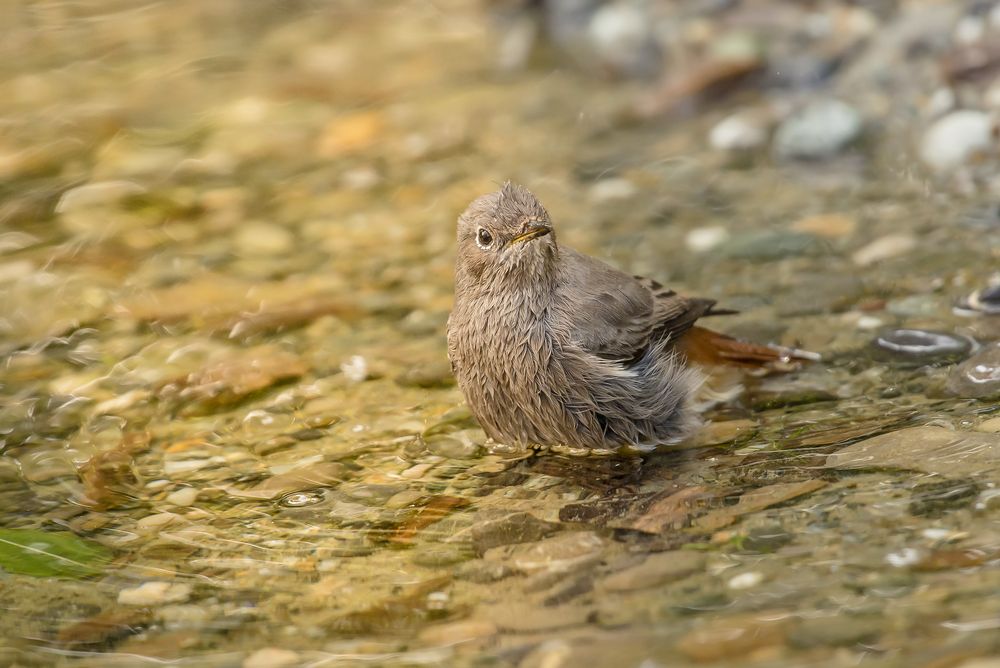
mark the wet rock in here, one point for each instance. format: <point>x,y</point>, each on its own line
<point>913,306</point>
<point>263,239</point>
<point>734,636</point>
<point>324,474</point>
<point>454,633</point>
<point>185,496</point>
<point>457,445</point>
<point>726,431</point>
<point>820,130</point>
<point>934,499</point>
<point>764,539</point>
<point>821,293</point>
<point>769,245</point>
<point>928,449</point>
<point>747,580</point>
<point>437,555</point>
<point>350,134</point>
<point>956,138</point>
<point>990,426</point>
<point>505,528</point>
<point>559,554</point>
<point>609,190</point>
<point>523,617</point>
<point>621,36</point>
<point>985,301</point>
<point>155,593</point>
<point>836,631</point>
<point>272,657</point>
<point>657,569</point>
<point>884,248</point>
<point>703,239</point>
<point>427,376</point>
<point>671,510</point>
<point>788,393</point>
<point>979,376</point>
<point>228,383</point>
<point>827,225</point>
<point>739,132</point>
<point>758,499</point>
<point>918,347</point>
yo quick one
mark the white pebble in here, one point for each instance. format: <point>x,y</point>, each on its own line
<point>156,592</point>
<point>611,189</point>
<point>869,322</point>
<point>956,137</point>
<point>355,368</point>
<point>941,102</point>
<point>884,248</point>
<point>736,133</point>
<point>185,496</point>
<point>271,657</point>
<point>156,521</point>
<point>970,30</point>
<point>705,238</point>
<point>905,557</point>
<point>745,580</point>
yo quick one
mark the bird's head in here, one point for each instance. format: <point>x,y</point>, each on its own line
<point>506,235</point>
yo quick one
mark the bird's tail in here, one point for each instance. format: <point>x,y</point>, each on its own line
<point>708,348</point>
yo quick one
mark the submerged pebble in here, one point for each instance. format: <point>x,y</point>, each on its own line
<point>919,347</point>
<point>884,248</point>
<point>820,130</point>
<point>985,301</point>
<point>979,376</point>
<point>955,138</point>
<point>155,593</point>
<point>739,132</point>
<point>272,657</point>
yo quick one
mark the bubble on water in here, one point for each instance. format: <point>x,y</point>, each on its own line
<point>301,499</point>
<point>919,346</point>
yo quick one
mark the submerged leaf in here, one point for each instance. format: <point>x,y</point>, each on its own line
<point>50,554</point>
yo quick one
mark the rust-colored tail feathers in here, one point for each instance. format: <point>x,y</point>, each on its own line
<point>703,346</point>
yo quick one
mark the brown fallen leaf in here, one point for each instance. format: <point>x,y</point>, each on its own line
<point>104,627</point>
<point>437,508</point>
<point>109,477</point>
<point>757,499</point>
<point>672,510</point>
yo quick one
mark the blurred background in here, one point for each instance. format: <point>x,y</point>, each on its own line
<point>228,429</point>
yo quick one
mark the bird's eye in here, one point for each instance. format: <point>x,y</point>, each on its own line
<point>483,238</point>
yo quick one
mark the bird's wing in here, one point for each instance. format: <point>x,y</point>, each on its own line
<point>617,316</point>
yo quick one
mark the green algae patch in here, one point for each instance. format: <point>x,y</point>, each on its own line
<point>50,554</point>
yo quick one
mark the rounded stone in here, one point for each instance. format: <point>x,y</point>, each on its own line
<point>955,138</point>
<point>819,130</point>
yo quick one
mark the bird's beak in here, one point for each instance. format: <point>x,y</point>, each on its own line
<point>532,232</point>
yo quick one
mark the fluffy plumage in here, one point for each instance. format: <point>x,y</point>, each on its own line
<point>551,346</point>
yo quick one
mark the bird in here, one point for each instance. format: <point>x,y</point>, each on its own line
<point>553,347</point>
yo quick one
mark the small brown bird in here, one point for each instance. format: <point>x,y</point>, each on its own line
<point>553,347</point>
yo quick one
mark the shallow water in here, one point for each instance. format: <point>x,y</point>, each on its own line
<point>228,428</point>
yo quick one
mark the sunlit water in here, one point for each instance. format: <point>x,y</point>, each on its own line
<point>228,428</point>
